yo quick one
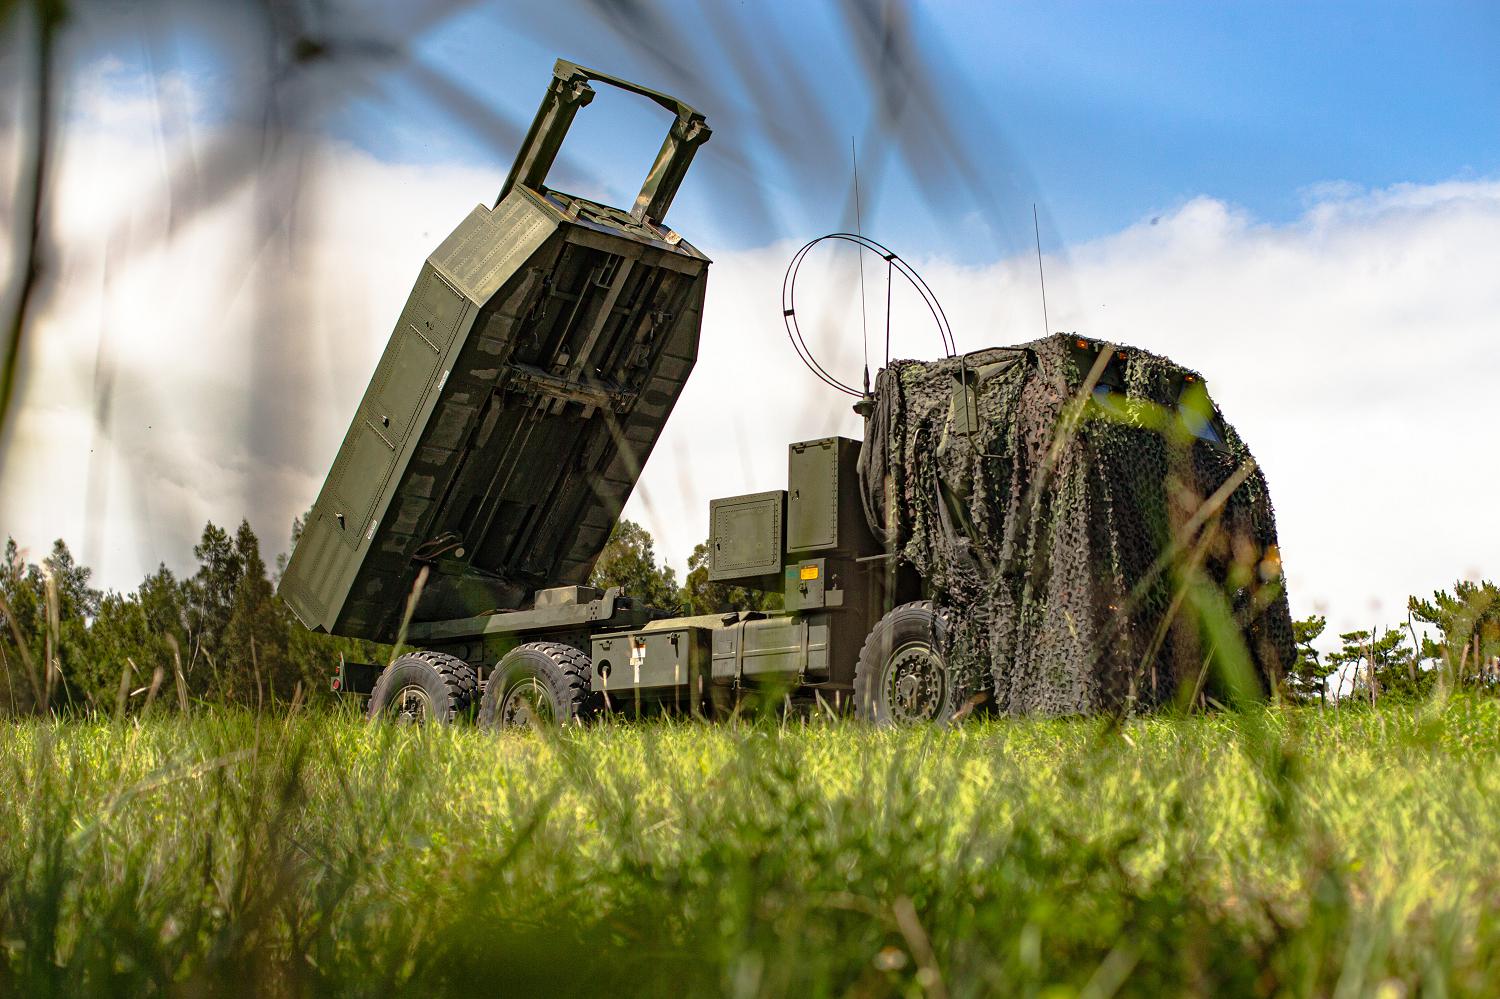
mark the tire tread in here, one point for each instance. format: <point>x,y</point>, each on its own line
<point>868,668</point>
<point>571,682</point>
<point>458,678</point>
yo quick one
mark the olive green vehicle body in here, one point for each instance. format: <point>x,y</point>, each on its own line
<point>527,379</point>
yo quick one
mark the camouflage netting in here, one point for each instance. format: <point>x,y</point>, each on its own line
<point>1103,538</point>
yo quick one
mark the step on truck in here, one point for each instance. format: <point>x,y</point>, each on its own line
<point>525,383</point>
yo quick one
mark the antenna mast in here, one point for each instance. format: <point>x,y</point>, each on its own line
<point>1036,227</point>
<point>864,325</point>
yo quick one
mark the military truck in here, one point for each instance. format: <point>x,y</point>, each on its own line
<point>527,379</point>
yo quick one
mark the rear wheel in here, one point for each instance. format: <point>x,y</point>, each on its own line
<point>540,683</point>
<point>424,688</point>
<point>903,675</point>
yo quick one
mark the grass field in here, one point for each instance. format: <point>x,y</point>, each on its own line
<point>1292,852</point>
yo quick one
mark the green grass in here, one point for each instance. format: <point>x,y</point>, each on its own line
<point>1293,852</point>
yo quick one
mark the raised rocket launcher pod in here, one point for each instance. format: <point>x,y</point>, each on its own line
<point>526,381</point>
<point>1066,526</point>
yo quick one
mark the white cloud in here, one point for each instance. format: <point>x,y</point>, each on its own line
<point>188,363</point>
<point>223,350</point>
<point>109,96</point>
<point>1354,349</point>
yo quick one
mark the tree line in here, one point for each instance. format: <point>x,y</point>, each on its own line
<point>1452,638</point>
<point>221,635</point>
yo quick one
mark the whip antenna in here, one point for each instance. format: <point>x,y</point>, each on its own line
<point>859,230</point>
<point>1036,227</point>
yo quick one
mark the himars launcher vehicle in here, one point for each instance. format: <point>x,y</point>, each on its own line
<point>990,544</point>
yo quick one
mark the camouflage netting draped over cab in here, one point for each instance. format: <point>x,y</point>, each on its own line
<point>1102,537</point>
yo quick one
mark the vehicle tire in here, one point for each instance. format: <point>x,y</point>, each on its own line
<point>540,683</point>
<point>424,687</point>
<point>902,675</point>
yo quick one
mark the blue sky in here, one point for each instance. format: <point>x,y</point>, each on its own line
<point>1111,112</point>
<point>1125,109</point>
<point>1103,114</point>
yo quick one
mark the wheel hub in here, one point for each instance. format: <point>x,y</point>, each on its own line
<point>412,705</point>
<point>526,703</point>
<point>915,684</point>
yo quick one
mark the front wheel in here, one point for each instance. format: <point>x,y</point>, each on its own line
<point>424,687</point>
<point>540,683</point>
<point>903,674</point>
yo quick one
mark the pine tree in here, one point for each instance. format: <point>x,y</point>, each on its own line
<point>22,623</point>
<point>74,605</point>
<point>210,598</point>
<point>1381,664</point>
<point>1309,674</point>
<point>51,605</point>
<point>124,652</point>
<point>254,662</point>
<point>139,633</point>
<point>1468,625</point>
